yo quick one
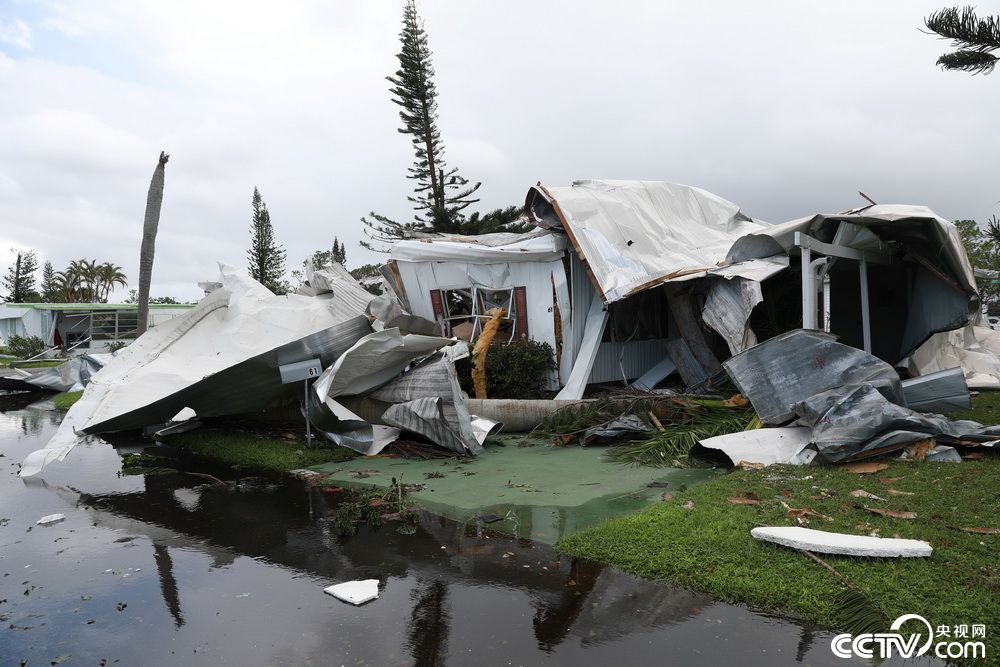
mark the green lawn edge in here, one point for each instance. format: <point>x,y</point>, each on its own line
<point>698,539</point>
<point>257,452</point>
<point>66,399</point>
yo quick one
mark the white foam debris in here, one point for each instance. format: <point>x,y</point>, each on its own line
<point>825,542</point>
<point>355,592</point>
<point>50,519</point>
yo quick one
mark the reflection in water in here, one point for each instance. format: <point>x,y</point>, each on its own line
<point>430,622</point>
<point>456,588</point>
<point>571,598</point>
<point>168,584</point>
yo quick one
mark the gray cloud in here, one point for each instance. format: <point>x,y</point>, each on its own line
<point>785,108</point>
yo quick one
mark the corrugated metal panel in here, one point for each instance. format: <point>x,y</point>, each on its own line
<point>635,357</point>
<point>581,293</point>
<point>249,386</point>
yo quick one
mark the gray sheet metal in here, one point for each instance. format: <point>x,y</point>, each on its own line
<point>851,422</point>
<point>387,310</point>
<point>247,387</point>
<point>940,299</point>
<point>427,417</point>
<point>633,235</point>
<point>944,391</point>
<point>727,310</point>
<point>432,378</point>
<point>342,427</point>
<point>74,373</point>
<point>782,371</point>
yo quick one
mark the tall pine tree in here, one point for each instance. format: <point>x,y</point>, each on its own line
<point>339,252</point>
<point>20,278</point>
<point>440,193</point>
<point>266,258</point>
<point>49,286</point>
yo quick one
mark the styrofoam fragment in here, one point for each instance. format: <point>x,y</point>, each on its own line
<point>355,592</point>
<point>825,542</point>
<point>50,519</point>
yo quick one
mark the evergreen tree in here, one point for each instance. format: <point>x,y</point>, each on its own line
<point>20,278</point>
<point>440,192</point>
<point>266,257</point>
<point>974,38</point>
<point>49,286</point>
<point>339,253</point>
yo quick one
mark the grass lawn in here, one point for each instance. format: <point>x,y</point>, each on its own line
<point>64,400</point>
<point>44,363</point>
<point>247,450</point>
<point>699,539</point>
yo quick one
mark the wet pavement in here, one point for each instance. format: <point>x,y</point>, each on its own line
<point>172,569</point>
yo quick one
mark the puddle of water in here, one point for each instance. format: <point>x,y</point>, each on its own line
<point>171,570</point>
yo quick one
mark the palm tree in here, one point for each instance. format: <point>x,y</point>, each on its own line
<point>111,276</point>
<point>85,277</point>
<point>150,223</point>
<point>66,286</point>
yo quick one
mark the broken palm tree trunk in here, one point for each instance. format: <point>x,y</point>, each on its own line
<point>150,224</point>
<point>482,348</point>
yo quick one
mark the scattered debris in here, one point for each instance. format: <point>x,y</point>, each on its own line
<point>801,514</point>
<point>821,541</point>
<point>894,492</point>
<point>861,493</point>
<point>355,592</point>
<point>981,531</point>
<point>51,519</point>
<point>764,446</point>
<point>865,468</point>
<point>895,514</point>
<point>748,498</point>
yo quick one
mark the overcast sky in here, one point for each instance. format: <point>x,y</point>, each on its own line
<point>786,108</point>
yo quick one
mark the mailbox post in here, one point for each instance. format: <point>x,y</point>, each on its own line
<point>303,371</point>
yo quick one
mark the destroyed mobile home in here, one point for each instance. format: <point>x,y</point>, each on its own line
<point>630,283</point>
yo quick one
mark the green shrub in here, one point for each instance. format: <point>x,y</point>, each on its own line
<point>117,345</point>
<point>515,370</point>
<point>24,347</point>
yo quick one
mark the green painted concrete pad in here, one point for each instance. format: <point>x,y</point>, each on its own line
<point>541,492</point>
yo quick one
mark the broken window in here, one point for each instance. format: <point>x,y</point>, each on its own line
<point>639,317</point>
<point>464,311</point>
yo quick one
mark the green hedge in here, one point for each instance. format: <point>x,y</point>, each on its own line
<point>515,370</point>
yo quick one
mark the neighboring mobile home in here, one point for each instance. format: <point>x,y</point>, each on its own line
<point>84,326</point>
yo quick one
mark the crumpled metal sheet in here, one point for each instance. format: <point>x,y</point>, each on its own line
<point>375,360</point>
<point>623,427</point>
<point>389,313</point>
<point>856,421</point>
<point>780,372</point>
<point>427,417</point>
<point>219,358</point>
<point>343,427</point>
<point>347,298</point>
<point>944,391</point>
<point>72,375</point>
<point>727,310</point>
<point>633,235</point>
<point>446,423</point>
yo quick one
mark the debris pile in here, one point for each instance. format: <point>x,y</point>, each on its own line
<point>633,283</point>
<point>223,358</point>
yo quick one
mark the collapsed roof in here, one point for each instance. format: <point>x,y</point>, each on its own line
<point>635,235</point>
